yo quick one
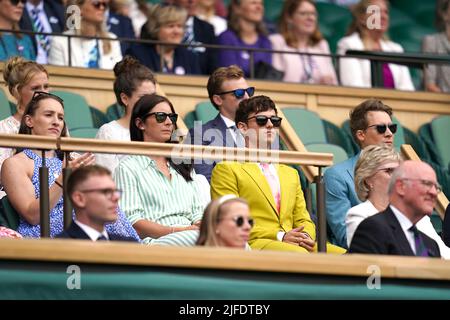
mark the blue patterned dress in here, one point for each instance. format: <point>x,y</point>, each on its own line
<point>121,227</point>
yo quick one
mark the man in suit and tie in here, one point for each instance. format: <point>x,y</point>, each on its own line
<point>95,198</point>
<point>121,26</point>
<point>226,88</point>
<point>413,191</point>
<point>273,191</point>
<point>370,123</point>
<point>42,16</point>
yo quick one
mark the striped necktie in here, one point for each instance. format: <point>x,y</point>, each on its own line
<point>93,57</point>
<point>42,40</point>
<point>421,249</point>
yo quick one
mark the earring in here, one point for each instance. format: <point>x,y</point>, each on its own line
<point>370,186</point>
<point>217,232</point>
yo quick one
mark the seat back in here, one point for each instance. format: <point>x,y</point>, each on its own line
<point>76,110</point>
<point>189,119</point>
<point>88,133</point>
<point>5,110</point>
<point>440,129</point>
<point>115,111</point>
<point>8,215</point>
<point>205,111</point>
<point>339,154</point>
<point>337,136</point>
<point>307,125</point>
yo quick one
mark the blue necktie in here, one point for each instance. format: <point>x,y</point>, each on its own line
<point>43,40</point>
<point>421,249</point>
<point>93,57</point>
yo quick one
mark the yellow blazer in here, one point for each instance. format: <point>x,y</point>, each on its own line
<point>246,180</point>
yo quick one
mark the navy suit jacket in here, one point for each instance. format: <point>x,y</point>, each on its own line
<point>75,232</point>
<point>55,16</point>
<point>212,133</point>
<point>204,33</point>
<point>183,59</point>
<point>122,27</point>
<point>382,234</point>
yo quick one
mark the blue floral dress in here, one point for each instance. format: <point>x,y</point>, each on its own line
<point>121,227</point>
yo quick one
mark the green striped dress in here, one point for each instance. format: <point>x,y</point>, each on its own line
<point>148,194</point>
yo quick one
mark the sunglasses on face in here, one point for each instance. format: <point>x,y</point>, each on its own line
<point>381,128</point>
<point>162,116</point>
<point>262,120</point>
<point>240,93</point>
<point>99,4</point>
<point>16,2</point>
<point>240,221</point>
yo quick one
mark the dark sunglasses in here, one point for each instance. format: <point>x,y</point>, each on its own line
<point>39,95</point>
<point>240,93</point>
<point>262,120</point>
<point>99,4</point>
<point>240,221</point>
<point>162,116</point>
<point>381,128</point>
<point>16,2</point>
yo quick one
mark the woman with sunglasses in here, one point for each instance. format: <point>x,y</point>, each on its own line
<point>23,78</point>
<point>273,191</point>
<point>86,52</point>
<point>44,116</point>
<point>226,223</point>
<point>14,44</point>
<point>161,198</point>
<point>133,80</point>
<point>373,173</point>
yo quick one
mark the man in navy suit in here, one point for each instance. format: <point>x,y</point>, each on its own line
<point>370,123</point>
<point>226,88</point>
<point>121,26</point>
<point>198,31</point>
<point>42,16</point>
<point>413,191</point>
<point>95,198</point>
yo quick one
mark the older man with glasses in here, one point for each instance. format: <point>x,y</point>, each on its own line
<point>371,124</point>
<point>95,199</point>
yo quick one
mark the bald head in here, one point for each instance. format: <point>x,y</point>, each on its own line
<point>413,189</point>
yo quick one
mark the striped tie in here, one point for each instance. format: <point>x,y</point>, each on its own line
<point>42,40</point>
<point>93,57</point>
<point>421,249</point>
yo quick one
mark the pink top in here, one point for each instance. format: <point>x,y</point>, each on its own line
<point>303,68</point>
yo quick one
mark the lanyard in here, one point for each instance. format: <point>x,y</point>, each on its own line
<point>308,66</point>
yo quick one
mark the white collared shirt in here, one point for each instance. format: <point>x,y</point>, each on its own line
<point>41,56</point>
<point>230,123</point>
<point>406,224</point>
<point>91,232</point>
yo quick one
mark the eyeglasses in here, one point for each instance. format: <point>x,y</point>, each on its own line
<point>240,221</point>
<point>39,95</point>
<point>16,2</point>
<point>162,116</point>
<point>107,192</point>
<point>427,183</point>
<point>381,128</point>
<point>99,4</point>
<point>262,120</point>
<point>240,93</point>
<point>304,14</point>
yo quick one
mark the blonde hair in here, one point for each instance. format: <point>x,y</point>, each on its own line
<point>359,10</point>
<point>369,161</point>
<point>18,72</point>
<point>215,210</point>
<point>161,15</point>
<point>101,28</point>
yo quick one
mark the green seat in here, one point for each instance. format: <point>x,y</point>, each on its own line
<point>76,110</point>
<point>8,215</point>
<point>346,128</point>
<point>337,136</point>
<point>98,117</point>
<point>115,111</point>
<point>427,137</point>
<point>189,119</point>
<point>440,128</point>
<point>415,7</point>
<point>88,133</point>
<point>339,154</point>
<point>272,9</point>
<point>417,143</point>
<point>5,109</point>
<point>307,124</point>
<point>205,111</point>
<point>334,21</point>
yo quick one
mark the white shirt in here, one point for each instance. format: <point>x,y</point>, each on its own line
<point>41,56</point>
<point>406,224</point>
<point>91,232</point>
<point>230,123</point>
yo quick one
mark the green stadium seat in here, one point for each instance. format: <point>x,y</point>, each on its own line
<point>205,111</point>
<point>339,154</point>
<point>88,133</point>
<point>76,110</point>
<point>440,128</point>
<point>8,215</point>
<point>307,124</point>
<point>5,109</point>
<point>417,143</point>
<point>115,111</point>
<point>427,137</point>
<point>337,136</point>
<point>414,8</point>
<point>189,119</point>
<point>98,117</point>
<point>272,10</point>
<point>346,128</point>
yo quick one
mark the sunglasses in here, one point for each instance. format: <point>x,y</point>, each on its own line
<point>162,116</point>
<point>16,2</point>
<point>240,93</point>
<point>240,221</point>
<point>99,4</point>
<point>381,128</point>
<point>262,120</point>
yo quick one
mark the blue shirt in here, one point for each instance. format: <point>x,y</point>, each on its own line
<point>11,45</point>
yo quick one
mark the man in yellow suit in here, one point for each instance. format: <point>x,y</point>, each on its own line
<point>273,190</point>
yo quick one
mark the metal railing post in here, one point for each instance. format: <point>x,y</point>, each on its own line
<point>321,213</point>
<point>44,200</point>
<point>67,202</point>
